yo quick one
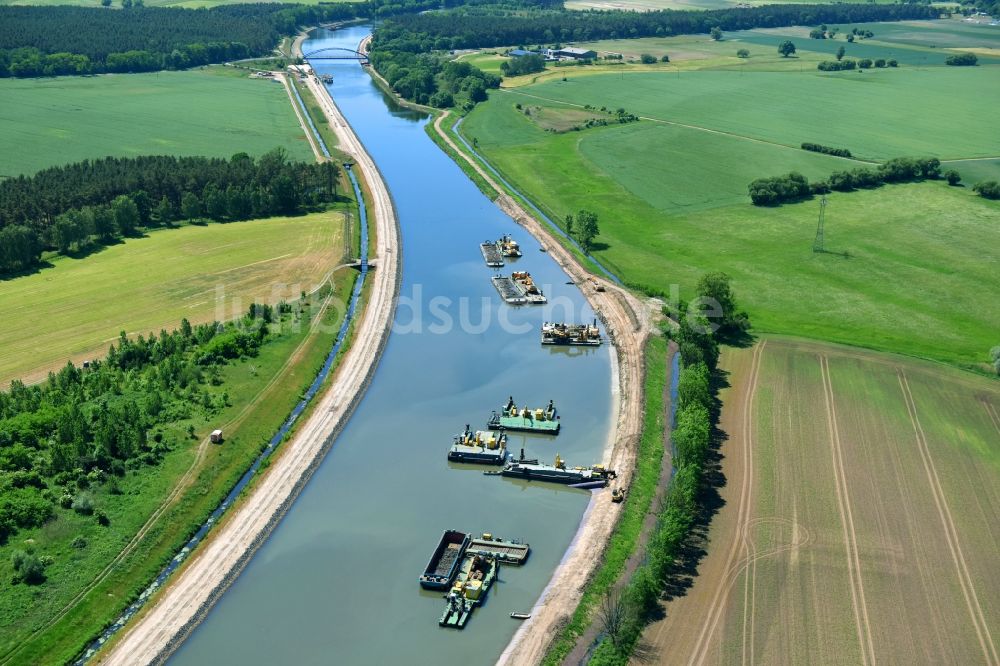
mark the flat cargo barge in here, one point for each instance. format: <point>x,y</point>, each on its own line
<point>491,254</point>
<point>508,552</point>
<point>483,447</point>
<point>526,420</point>
<point>586,477</point>
<point>444,563</point>
<point>508,290</point>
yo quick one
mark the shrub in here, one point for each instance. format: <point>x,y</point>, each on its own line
<point>79,542</point>
<point>664,58</point>
<point>962,60</point>
<point>880,62</point>
<point>743,53</point>
<point>84,504</point>
<point>647,59</point>
<point>102,517</point>
<point>826,150</point>
<point>865,63</point>
<point>27,568</point>
<point>988,189</point>
<point>953,177</point>
<point>892,62</point>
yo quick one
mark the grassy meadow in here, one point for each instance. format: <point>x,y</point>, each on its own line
<point>795,587</point>
<point>907,267</point>
<point>215,112</point>
<point>76,308</point>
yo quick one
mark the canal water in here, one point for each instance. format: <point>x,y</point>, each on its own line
<point>337,580</point>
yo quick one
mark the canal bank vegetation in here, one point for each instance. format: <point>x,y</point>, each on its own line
<point>624,613</point>
<point>637,504</point>
<point>94,567</point>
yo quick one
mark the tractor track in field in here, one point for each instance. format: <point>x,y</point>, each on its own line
<point>717,606</point>
<point>858,603</point>
<point>948,525</point>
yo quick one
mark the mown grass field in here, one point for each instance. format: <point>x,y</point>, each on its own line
<point>215,112</point>
<point>262,390</point>
<point>75,309</point>
<point>908,269</point>
<point>869,530</point>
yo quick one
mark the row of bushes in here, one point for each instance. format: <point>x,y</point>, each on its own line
<point>848,64</point>
<point>989,189</point>
<point>624,615</point>
<point>795,186</point>
<point>826,150</point>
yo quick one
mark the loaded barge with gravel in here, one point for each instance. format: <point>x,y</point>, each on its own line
<point>444,563</point>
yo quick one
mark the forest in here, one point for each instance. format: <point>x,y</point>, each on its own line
<point>490,26</point>
<point>67,208</point>
<point>84,427</point>
<point>145,39</point>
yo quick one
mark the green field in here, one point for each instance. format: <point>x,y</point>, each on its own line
<point>215,112</point>
<point>908,267</point>
<point>845,109</point>
<point>76,308</point>
<point>976,171</point>
<point>190,4</point>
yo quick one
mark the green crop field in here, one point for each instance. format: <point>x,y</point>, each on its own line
<point>908,268</point>
<point>76,308</point>
<point>976,171</point>
<point>217,112</point>
<point>874,480</point>
<point>844,109</point>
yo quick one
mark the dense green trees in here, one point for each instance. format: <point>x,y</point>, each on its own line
<point>65,208</point>
<point>583,228</point>
<point>988,189</point>
<point>477,26</point>
<point>786,48</point>
<point>962,60</point>
<point>432,79</point>
<point>84,426</point>
<point>528,64</point>
<point>826,150</point>
<point>779,189</point>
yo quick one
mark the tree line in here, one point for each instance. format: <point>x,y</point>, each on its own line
<point>64,40</point>
<point>826,150</point>
<point>624,615</point>
<point>67,208</point>
<point>74,434</point>
<point>795,187</point>
<point>476,26</point>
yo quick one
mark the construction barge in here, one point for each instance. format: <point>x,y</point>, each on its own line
<point>539,420</point>
<point>524,282</point>
<point>483,447</point>
<point>508,247</point>
<point>595,476</point>
<point>571,334</point>
<point>444,563</point>
<point>508,552</point>
<point>475,577</point>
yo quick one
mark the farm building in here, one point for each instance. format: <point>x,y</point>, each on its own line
<point>577,54</point>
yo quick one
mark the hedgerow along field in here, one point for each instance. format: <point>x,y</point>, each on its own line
<point>262,392</point>
<point>833,428</point>
<point>214,112</point>
<point>75,309</point>
<point>672,202</point>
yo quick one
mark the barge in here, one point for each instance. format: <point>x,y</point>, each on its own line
<point>483,447</point>
<point>508,552</point>
<point>444,563</point>
<point>508,290</point>
<point>508,247</point>
<point>571,334</point>
<point>491,254</point>
<point>528,288</point>
<point>475,577</point>
<point>595,476</point>
<point>525,420</point>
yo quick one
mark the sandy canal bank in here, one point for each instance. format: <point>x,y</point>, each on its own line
<point>197,586</point>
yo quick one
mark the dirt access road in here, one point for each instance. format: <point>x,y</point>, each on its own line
<point>196,587</point>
